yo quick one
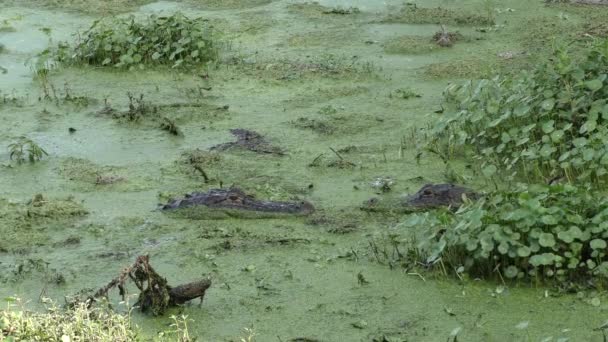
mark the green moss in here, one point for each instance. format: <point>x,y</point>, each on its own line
<point>7,28</point>
<point>412,14</point>
<point>228,4</point>
<point>86,6</point>
<point>307,9</point>
<point>470,68</point>
<point>410,45</point>
<point>24,225</point>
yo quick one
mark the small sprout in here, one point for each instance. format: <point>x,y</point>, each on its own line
<point>361,279</point>
<point>25,147</point>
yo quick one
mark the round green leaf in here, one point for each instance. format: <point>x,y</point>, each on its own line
<point>594,85</point>
<point>597,244</point>
<point>546,240</point>
<point>511,271</point>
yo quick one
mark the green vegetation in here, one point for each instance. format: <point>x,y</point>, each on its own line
<point>469,68</point>
<point>25,225</point>
<point>410,45</point>
<point>175,41</point>
<point>25,147</point>
<point>540,232</point>
<point>79,323</point>
<point>85,6</point>
<point>539,124</point>
<point>412,14</point>
<point>545,125</point>
<point>404,93</point>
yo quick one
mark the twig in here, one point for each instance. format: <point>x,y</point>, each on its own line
<point>336,152</point>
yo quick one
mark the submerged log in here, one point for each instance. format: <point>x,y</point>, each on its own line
<point>187,292</point>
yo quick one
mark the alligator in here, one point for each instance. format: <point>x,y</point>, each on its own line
<point>430,196</point>
<point>249,140</point>
<point>233,202</point>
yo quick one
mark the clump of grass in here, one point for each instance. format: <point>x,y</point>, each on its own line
<point>79,323</point>
<point>175,41</point>
<point>412,14</point>
<point>25,149</point>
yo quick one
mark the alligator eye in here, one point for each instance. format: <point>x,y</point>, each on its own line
<point>233,197</point>
<point>428,192</point>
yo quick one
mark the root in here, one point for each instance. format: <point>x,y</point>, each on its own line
<point>155,296</point>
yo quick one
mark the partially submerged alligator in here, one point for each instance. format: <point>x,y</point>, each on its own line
<point>249,140</point>
<point>430,196</point>
<point>225,203</point>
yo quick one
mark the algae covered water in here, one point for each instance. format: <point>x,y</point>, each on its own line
<point>345,90</point>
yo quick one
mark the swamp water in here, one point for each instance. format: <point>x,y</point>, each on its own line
<point>312,83</point>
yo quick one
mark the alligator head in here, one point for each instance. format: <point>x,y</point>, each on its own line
<point>430,196</point>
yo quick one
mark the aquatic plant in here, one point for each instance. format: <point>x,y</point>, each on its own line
<point>538,232</point>
<point>546,123</point>
<point>174,40</point>
<point>170,126</point>
<point>79,324</point>
<point>25,147</point>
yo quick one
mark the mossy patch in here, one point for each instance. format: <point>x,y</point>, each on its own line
<point>228,4</point>
<point>412,14</point>
<point>327,37</point>
<point>468,68</point>
<point>24,224</point>
<point>338,124</point>
<point>325,65</point>
<point>308,9</point>
<point>85,171</point>
<point>86,6</point>
<point>325,94</point>
<point>87,176</point>
<point>410,45</point>
<point>254,22</point>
